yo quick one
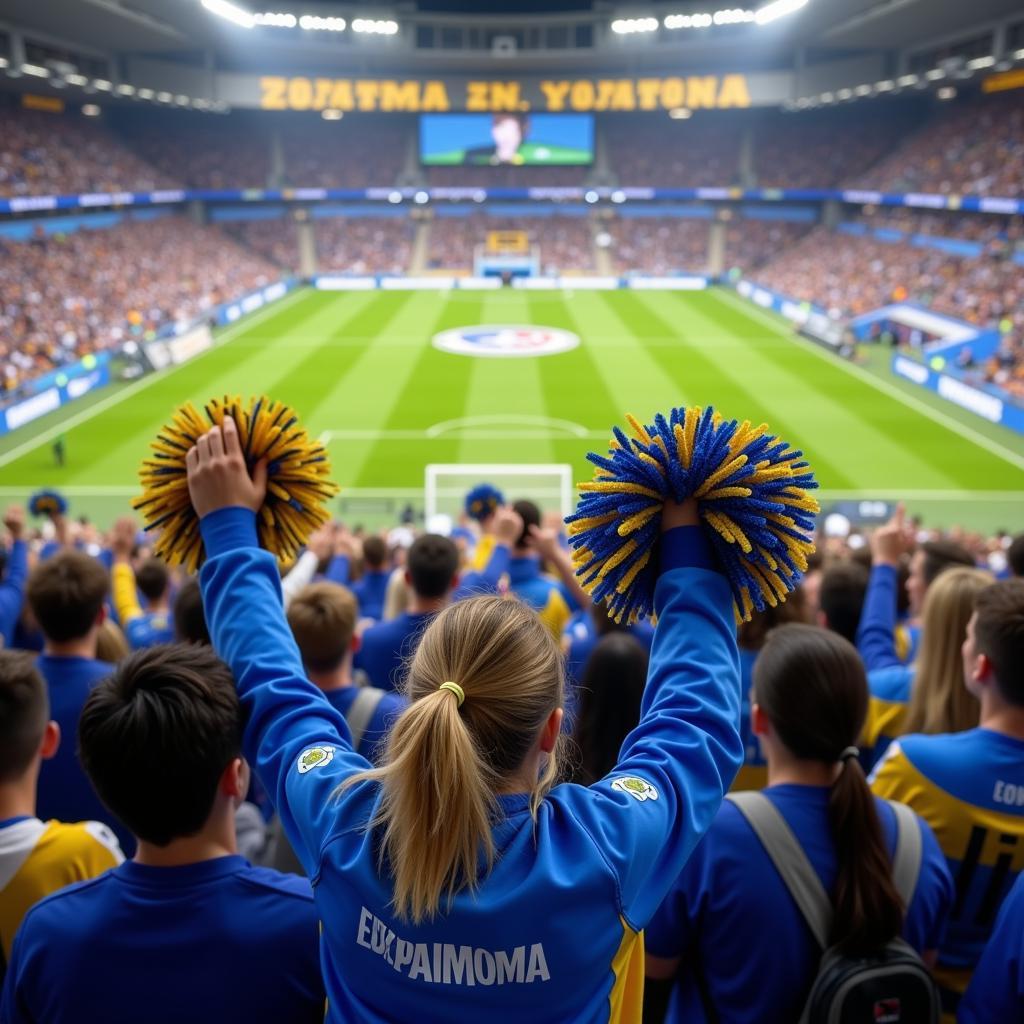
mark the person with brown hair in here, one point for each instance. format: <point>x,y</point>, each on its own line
<point>186,930</point>
<point>969,787</point>
<point>323,620</point>
<point>66,596</point>
<point>371,588</point>
<point>730,939</point>
<point>36,857</point>
<point>143,627</point>
<point>456,881</point>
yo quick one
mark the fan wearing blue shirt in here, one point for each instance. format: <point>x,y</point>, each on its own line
<point>66,595</point>
<point>371,588</point>
<point>187,930</point>
<point>323,619</point>
<point>431,573</point>
<point>14,574</point>
<point>969,786</point>
<point>456,881</point>
<point>730,944</point>
<point>153,624</point>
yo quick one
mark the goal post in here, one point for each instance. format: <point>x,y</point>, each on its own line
<point>445,487</point>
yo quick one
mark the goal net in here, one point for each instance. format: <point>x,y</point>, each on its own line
<point>549,485</point>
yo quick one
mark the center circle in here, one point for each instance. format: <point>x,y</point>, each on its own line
<point>505,341</point>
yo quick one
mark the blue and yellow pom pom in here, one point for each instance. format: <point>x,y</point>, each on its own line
<point>47,503</point>
<point>298,481</point>
<point>751,490</point>
<point>482,501</point>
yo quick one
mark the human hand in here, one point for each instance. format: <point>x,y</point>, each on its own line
<point>891,541</point>
<point>217,475</point>
<point>506,525</point>
<point>122,537</point>
<point>544,540</point>
<point>682,513</point>
<point>321,543</point>
<point>14,520</point>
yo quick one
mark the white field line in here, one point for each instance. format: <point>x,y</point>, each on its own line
<point>133,389</point>
<point>969,433</point>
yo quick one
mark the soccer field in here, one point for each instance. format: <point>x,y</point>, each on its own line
<point>360,370</point>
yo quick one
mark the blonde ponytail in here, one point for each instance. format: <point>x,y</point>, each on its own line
<point>446,761</point>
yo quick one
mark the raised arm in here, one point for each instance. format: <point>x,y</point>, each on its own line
<point>299,745</point>
<point>676,766</point>
<point>876,634</point>
<point>122,576</point>
<point>506,526</point>
<point>12,586</point>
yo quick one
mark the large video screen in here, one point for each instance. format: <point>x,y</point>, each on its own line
<point>496,140</point>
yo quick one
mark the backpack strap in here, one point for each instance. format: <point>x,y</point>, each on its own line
<point>361,711</point>
<point>790,861</point>
<point>906,862</point>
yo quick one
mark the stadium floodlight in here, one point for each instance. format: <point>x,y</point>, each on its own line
<point>862,90</point>
<point>631,26</point>
<point>980,62</point>
<point>590,196</point>
<point>777,9</point>
<point>3,62</point>
<point>91,110</point>
<point>314,23</point>
<point>828,97</point>
<point>35,70</point>
<point>395,197</point>
<point>330,114</point>
<point>375,26</point>
<point>618,196</point>
<point>680,113</point>
<point>163,97</point>
<point>124,89</point>
<point>885,86</point>
<point>76,79</point>
<point>845,94</point>
<point>907,80</point>
<point>732,16</point>
<point>230,12</point>
<point>421,198</point>
<point>935,74</point>
<point>276,19</point>
<point>182,100</point>
<point>700,20</point>
<point>947,92</point>
<point>1018,54</point>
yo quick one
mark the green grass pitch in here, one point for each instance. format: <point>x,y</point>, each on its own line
<point>360,370</point>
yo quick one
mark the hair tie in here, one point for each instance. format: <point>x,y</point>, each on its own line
<point>460,694</point>
<point>848,753</point>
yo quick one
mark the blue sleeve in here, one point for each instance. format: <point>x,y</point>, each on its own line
<point>338,570</point>
<point>12,590</point>
<point>930,906</point>
<point>996,991</point>
<point>12,1003</point>
<point>876,634</point>
<point>674,769</point>
<point>676,924</point>
<point>484,581</point>
<point>297,742</point>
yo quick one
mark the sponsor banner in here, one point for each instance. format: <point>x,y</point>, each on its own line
<point>426,284</point>
<point>231,311</point>
<point>486,96</point>
<point>341,283</point>
<point>179,349</point>
<point>537,284</point>
<point>505,341</point>
<point>683,283</point>
<point>55,378</point>
<point>52,398</point>
<point>811,320</point>
<point>482,284</point>
<point>986,404</point>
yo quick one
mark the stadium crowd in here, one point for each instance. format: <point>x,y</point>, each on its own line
<point>890,679</point>
<point>275,239</point>
<point>65,296</point>
<point>362,245</point>
<point>565,242</point>
<point>659,245</point>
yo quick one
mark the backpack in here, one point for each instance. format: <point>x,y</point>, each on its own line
<point>282,857</point>
<point>892,986</point>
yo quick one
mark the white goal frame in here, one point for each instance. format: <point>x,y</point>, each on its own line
<point>475,473</point>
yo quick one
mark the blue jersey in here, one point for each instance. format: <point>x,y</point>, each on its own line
<point>384,715</point>
<point>370,592</point>
<point>149,629</point>
<point>996,992</point>
<point>386,647</point>
<point>889,692</point>
<point>754,773</point>
<point>554,931</point>
<point>12,590</point>
<point>737,929</point>
<point>969,787</point>
<point>214,941</point>
<point>547,597</point>
<point>64,790</point>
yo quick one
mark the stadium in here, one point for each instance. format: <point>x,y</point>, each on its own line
<point>694,335</point>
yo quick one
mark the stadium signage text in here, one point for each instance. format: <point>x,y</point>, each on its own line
<point>485,96</point>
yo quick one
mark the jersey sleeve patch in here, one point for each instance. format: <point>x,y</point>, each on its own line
<point>314,757</point>
<point>639,789</point>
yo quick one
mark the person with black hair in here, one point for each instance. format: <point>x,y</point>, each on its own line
<point>610,693</point>
<point>730,939</point>
<point>189,618</point>
<point>371,587</point>
<point>1015,555</point>
<point>187,930</point>
<point>841,597</point>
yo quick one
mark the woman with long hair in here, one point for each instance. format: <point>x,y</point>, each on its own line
<point>456,881</point>
<point>928,696</point>
<point>730,944</point>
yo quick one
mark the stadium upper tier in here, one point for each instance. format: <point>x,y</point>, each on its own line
<point>970,146</point>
